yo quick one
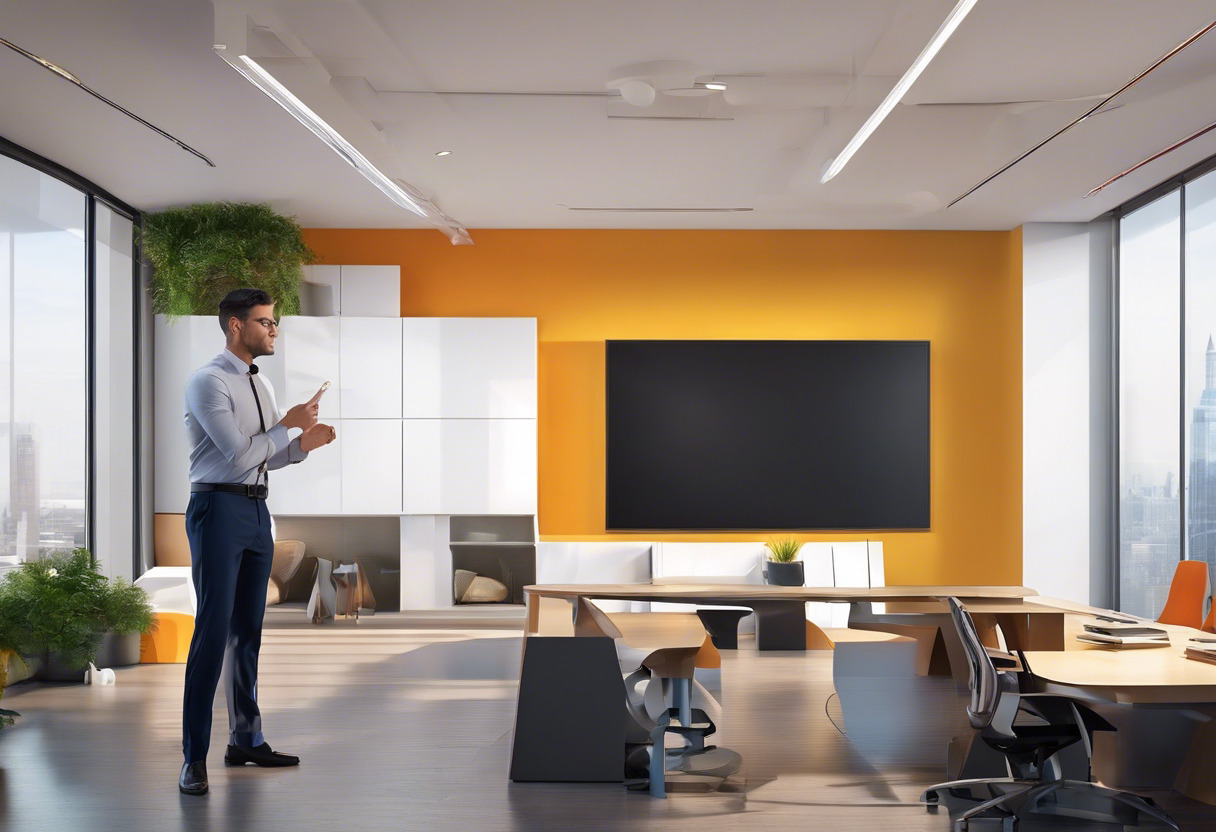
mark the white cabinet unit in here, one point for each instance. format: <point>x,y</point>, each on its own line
<point>370,368</point>
<point>467,445</point>
<point>321,291</point>
<point>469,466</point>
<point>371,291</point>
<point>309,349</point>
<point>181,348</point>
<point>371,466</point>
<point>314,486</point>
<point>469,368</point>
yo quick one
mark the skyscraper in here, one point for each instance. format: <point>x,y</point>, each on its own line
<point>23,491</point>
<point>1201,488</point>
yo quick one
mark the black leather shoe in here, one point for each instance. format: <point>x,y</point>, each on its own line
<point>193,779</point>
<point>262,755</point>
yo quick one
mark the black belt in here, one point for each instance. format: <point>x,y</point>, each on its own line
<point>257,492</point>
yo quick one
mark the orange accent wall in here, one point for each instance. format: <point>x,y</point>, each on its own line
<point>961,290</point>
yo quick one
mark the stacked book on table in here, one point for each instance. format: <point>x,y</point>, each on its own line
<point>1121,634</point>
<point>1201,650</point>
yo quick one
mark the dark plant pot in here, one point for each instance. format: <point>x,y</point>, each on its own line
<point>114,650</point>
<point>784,574</point>
<point>54,670</point>
<point>118,650</point>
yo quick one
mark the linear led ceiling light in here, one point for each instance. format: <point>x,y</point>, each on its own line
<point>1094,110</point>
<point>72,79</point>
<point>282,96</point>
<point>897,93</point>
<point>1154,158</point>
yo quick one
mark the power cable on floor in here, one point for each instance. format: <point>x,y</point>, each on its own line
<point>829,716</point>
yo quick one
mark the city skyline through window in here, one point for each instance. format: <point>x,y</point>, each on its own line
<point>1149,442</point>
<point>1167,392</point>
<point>43,367</point>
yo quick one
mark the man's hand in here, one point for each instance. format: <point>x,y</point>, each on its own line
<point>316,436</point>
<point>303,416</point>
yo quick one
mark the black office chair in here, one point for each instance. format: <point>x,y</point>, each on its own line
<point>1036,784</point>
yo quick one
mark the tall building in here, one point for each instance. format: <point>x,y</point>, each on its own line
<point>23,492</point>
<point>1201,487</point>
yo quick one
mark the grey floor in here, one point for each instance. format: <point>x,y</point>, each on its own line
<point>406,724</point>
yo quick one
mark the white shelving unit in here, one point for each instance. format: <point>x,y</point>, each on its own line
<point>434,416</point>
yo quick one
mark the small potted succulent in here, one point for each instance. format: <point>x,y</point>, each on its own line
<point>783,567</point>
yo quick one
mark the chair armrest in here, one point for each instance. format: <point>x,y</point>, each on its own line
<point>1002,660</point>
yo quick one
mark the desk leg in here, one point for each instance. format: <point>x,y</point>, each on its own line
<point>1197,775</point>
<point>533,603</point>
<point>1034,631</point>
<point>780,625</point>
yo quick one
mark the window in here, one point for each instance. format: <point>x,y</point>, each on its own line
<point>43,365</point>
<point>69,331</point>
<point>1167,389</point>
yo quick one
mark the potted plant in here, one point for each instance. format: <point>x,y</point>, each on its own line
<point>202,252</point>
<point>128,615</point>
<point>11,644</point>
<point>66,609</point>
<point>783,568</point>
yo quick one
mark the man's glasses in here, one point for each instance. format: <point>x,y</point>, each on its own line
<point>268,323</point>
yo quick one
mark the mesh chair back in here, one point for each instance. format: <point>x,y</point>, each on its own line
<point>983,681</point>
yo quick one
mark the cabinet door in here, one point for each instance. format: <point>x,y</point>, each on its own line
<point>469,466</point>
<point>313,486</point>
<point>371,466</point>
<point>469,368</point>
<point>370,368</point>
<point>371,291</point>
<point>310,358</point>
<point>181,348</point>
<point>321,291</point>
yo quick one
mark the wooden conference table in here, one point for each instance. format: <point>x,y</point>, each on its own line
<point>780,610</point>
<point>1163,703</point>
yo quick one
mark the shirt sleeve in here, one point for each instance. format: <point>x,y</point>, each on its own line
<point>208,400</point>
<point>290,454</point>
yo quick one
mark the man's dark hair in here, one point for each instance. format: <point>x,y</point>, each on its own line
<point>237,303</point>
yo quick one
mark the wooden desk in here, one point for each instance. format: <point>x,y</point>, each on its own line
<point>1163,704</point>
<point>780,610</point>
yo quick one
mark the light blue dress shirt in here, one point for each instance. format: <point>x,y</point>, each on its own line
<point>227,443</point>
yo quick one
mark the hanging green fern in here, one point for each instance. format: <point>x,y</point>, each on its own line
<point>202,252</point>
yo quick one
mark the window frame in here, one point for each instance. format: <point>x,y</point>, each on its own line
<point>95,194</point>
<point>1178,183</point>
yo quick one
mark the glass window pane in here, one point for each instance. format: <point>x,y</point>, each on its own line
<point>1201,368</point>
<point>1149,323</point>
<point>43,383</point>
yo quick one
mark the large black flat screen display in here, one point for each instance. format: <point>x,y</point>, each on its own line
<point>711,435</point>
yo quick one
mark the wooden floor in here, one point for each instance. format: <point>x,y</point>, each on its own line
<point>405,724</point>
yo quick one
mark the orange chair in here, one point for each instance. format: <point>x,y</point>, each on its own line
<point>1188,591</point>
<point>1209,623</point>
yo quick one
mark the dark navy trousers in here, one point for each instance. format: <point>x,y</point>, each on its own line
<point>231,549</point>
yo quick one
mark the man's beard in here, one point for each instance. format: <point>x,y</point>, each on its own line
<point>258,350</point>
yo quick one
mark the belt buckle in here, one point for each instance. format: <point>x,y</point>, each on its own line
<point>251,491</point>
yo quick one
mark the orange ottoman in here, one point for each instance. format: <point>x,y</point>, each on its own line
<point>169,639</point>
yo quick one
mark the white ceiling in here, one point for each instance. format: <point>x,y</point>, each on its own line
<point>802,76</point>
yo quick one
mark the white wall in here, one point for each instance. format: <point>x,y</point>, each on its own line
<point>114,397</point>
<point>1066,429</point>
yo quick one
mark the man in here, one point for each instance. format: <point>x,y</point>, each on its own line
<point>236,435</point>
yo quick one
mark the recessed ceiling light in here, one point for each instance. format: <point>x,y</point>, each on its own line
<point>715,85</point>
<point>444,153</point>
